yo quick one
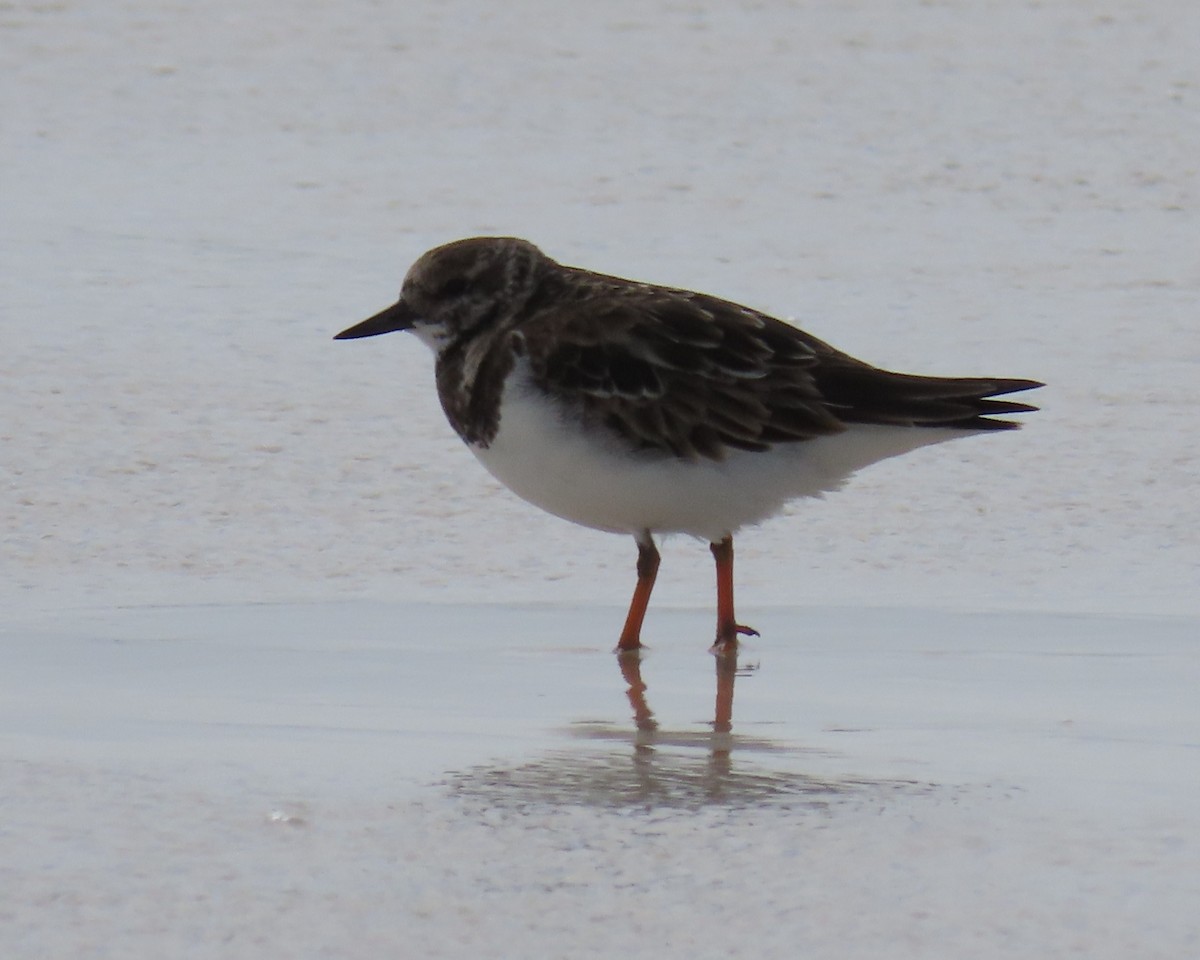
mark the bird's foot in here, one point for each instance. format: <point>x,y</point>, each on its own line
<point>629,646</point>
<point>727,638</point>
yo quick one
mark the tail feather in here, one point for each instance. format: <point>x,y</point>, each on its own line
<point>864,394</point>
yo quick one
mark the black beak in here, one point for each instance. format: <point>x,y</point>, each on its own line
<point>396,317</point>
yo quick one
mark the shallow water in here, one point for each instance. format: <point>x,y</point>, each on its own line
<point>373,774</point>
<point>422,693</point>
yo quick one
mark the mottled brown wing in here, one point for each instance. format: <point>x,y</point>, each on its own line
<point>678,372</point>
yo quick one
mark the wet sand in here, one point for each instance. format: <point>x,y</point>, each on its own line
<point>328,778</point>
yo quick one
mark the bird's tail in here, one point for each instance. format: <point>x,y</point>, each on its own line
<point>869,395</point>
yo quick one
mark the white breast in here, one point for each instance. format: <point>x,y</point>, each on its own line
<point>587,477</point>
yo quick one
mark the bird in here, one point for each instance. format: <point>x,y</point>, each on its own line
<point>649,410</point>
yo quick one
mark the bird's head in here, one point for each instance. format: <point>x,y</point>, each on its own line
<point>458,290</point>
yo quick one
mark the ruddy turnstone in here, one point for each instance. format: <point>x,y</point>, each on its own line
<point>642,409</point>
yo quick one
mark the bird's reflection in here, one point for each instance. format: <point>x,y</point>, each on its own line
<point>703,775</point>
<point>643,717</point>
<point>656,766</point>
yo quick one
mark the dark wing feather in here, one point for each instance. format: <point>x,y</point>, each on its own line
<point>678,372</point>
<point>692,375</point>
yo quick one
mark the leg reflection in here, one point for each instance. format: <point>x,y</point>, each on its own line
<point>720,741</point>
<point>726,675</point>
<point>689,765</point>
<point>630,662</point>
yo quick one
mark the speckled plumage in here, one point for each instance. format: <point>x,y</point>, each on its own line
<point>646,409</point>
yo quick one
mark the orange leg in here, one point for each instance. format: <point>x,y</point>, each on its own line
<point>647,570</point>
<point>727,626</point>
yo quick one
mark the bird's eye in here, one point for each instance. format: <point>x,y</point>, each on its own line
<point>454,287</point>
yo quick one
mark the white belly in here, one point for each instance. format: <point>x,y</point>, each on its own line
<point>586,477</point>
